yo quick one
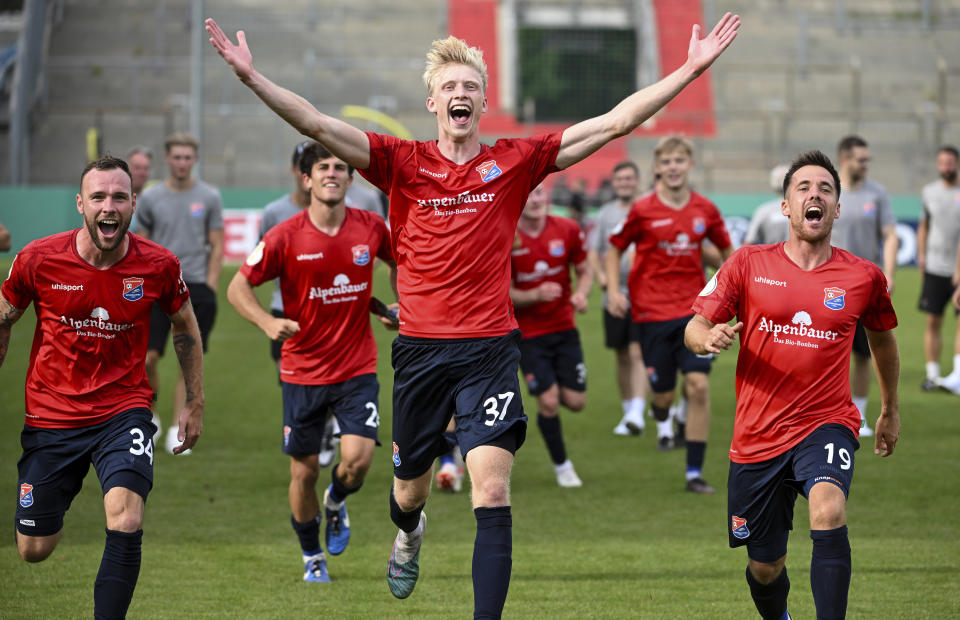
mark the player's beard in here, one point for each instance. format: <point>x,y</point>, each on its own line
<point>949,177</point>
<point>107,246</point>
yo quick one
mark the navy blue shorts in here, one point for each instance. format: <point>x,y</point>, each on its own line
<point>553,358</point>
<point>760,496</point>
<point>936,294</point>
<point>664,353</point>
<point>305,409</point>
<point>56,460</point>
<point>619,332</point>
<point>473,379</point>
<point>860,343</point>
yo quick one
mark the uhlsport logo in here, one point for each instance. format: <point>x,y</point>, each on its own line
<point>489,170</point>
<point>833,297</point>
<point>396,455</point>
<point>26,495</point>
<point>556,247</point>
<point>738,526</point>
<point>133,289</point>
<point>361,254</point>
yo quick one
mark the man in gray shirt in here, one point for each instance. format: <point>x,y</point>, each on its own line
<point>938,236</point>
<point>631,372</point>
<point>184,215</point>
<point>866,228</point>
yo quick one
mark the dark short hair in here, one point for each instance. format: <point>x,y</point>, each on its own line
<point>811,158</point>
<point>314,152</point>
<point>107,162</point>
<point>949,148</point>
<point>140,149</point>
<point>297,152</point>
<point>848,143</point>
<point>627,164</point>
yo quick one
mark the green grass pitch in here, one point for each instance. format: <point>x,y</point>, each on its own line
<point>629,544</point>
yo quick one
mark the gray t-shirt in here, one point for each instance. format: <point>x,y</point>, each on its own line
<point>277,211</point>
<point>181,222</point>
<point>768,224</point>
<point>864,213</point>
<point>608,218</point>
<point>360,197</point>
<point>941,210</point>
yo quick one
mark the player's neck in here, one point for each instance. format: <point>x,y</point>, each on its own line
<point>180,185</point>
<point>626,203</point>
<point>532,226</point>
<point>97,258</point>
<point>327,218</point>
<point>459,152</point>
<point>808,255</point>
<point>674,198</point>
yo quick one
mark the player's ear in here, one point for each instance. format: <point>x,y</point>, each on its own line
<point>79,204</point>
<point>784,209</point>
<point>431,105</point>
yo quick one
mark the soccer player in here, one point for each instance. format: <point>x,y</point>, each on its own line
<point>938,237</point>
<point>631,373</point>
<point>668,227</point>
<point>551,358</point>
<point>797,304</point>
<point>454,206</point>
<point>184,215</point>
<point>868,230</point>
<point>87,396</point>
<point>768,224</point>
<point>323,257</point>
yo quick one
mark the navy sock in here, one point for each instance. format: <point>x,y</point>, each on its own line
<point>117,577</point>
<point>770,599</point>
<point>659,413</point>
<point>406,521</point>
<point>339,491</point>
<point>553,435</point>
<point>695,453</point>
<point>492,560</point>
<point>830,572</point>
<point>309,535</point>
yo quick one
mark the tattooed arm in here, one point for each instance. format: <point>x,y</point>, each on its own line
<point>187,344</point>
<point>8,316</point>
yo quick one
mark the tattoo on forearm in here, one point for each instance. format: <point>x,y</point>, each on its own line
<point>186,349</point>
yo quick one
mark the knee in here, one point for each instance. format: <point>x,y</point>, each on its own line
<point>128,521</point>
<point>549,403</point>
<point>35,549</point>
<point>575,401</point>
<point>828,517</point>
<point>767,572</point>
<point>303,474</point>
<point>409,496</point>
<point>697,389</point>
<point>490,492</point>
<point>352,471</point>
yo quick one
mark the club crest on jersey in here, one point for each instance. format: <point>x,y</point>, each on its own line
<point>739,528</point>
<point>132,289</point>
<point>396,455</point>
<point>361,254</point>
<point>868,208</point>
<point>699,225</point>
<point>196,209</point>
<point>556,247</point>
<point>833,298</point>
<point>26,495</point>
<point>489,170</point>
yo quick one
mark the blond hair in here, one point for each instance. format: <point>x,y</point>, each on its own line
<point>452,51</point>
<point>670,144</point>
<point>180,138</point>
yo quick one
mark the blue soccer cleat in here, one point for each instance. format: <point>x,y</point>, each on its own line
<point>337,532</point>
<point>315,569</point>
<point>403,568</point>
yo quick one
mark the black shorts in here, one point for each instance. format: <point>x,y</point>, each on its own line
<point>473,379</point>
<point>619,333</point>
<point>56,460</point>
<point>305,408</point>
<point>761,496</point>
<point>936,294</point>
<point>204,301</point>
<point>553,358</point>
<point>664,353</point>
<point>861,345</point>
<point>276,346</point>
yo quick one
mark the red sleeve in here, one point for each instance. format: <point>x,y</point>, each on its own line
<point>175,292</point>
<point>719,301</point>
<point>384,251</point>
<point>717,230</point>
<point>18,287</point>
<point>383,150</point>
<point>265,262</point>
<point>628,231</point>
<point>543,160</point>
<point>879,315</point>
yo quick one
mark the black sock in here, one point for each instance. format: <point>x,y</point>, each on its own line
<point>770,599</point>
<point>830,572</point>
<point>339,491</point>
<point>492,560</point>
<point>659,413</point>
<point>406,521</point>
<point>309,535</point>
<point>695,454</point>
<point>117,577</point>
<point>550,429</point>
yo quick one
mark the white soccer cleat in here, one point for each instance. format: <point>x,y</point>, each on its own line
<point>951,383</point>
<point>567,476</point>
<point>450,478</point>
<point>621,429</point>
<point>634,422</point>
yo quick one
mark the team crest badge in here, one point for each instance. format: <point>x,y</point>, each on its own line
<point>286,435</point>
<point>739,528</point>
<point>196,209</point>
<point>26,495</point>
<point>361,254</point>
<point>833,298</point>
<point>132,289</point>
<point>489,170</point>
<point>556,247</point>
<point>868,208</point>
<point>531,380</point>
<point>396,455</point>
<point>699,225</point>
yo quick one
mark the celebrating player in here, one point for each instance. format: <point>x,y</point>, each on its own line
<point>454,206</point>
<point>87,395</point>
<point>797,304</point>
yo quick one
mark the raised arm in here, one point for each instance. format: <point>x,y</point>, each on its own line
<point>886,361</point>
<point>586,137</point>
<point>340,138</point>
<point>703,336</point>
<point>8,316</point>
<point>189,350</point>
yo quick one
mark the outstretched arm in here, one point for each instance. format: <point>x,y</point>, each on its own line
<point>586,137</point>
<point>343,140</point>
<point>886,361</point>
<point>189,350</point>
<point>8,316</point>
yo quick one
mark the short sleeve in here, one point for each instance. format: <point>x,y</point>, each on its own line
<point>628,231</point>
<point>266,260</point>
<point>543,159</point>
<point>144,213</point>
<point>175,292</point>
<point>384,251</point>
<point>18,288</point>
<point>719,301</point>
<point>383,150</point>
<point>879,315</point>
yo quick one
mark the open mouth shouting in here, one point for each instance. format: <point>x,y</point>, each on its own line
<point>108,227</point>
<point>460,114</point>
<point>813,213</point>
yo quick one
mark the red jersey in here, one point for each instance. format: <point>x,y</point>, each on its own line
<point>793,371</point>
<point>325,284</point>
<point>86,364</point>
<point>547,258</point>
<point>667,272</point>
<point>452,228</point>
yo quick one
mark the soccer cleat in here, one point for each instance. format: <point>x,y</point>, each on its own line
<point>951,383</point>
<point>634,422</point>
<point>403,568</point>
<point>337,532</point>
<point>328,443</point>
<point>699,485</point>
<point>567,476</point>
<point>621,429</point>
<point>665,444</point>
<point>930,385</point>
<point>450,478</point>
<point>315,569</point>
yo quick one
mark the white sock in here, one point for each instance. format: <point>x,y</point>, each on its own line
<point>682,410</point>
<point>861,404</point>
<point>956,365</point>
<point>626,404</point>
<point>665,428</point>
<point>315,556</point>
<point>637,405</point>
<point>933,369</point>
<point>563,466</point>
